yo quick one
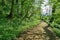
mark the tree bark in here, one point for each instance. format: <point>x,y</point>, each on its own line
<point>17,6</point>
<point>3,2</point>
<point>11,11</point>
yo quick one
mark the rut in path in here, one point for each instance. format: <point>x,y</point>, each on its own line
<point>51,35</point>
<point>40,32</point>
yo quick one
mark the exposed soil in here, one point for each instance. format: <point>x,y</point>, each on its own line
<point>40,32</point>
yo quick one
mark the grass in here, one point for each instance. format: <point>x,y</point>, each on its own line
<point>9,29</point>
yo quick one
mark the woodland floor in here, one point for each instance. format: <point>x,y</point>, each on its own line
<point>40,32</point>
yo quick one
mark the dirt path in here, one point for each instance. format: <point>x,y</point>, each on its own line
<point>40,32</point>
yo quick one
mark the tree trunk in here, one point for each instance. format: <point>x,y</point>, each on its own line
<point>17,6</point>
<point>3,2</point>
<point>11,11</point>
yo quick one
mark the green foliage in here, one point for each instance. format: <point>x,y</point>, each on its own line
<point>56,15</point>
<point>17,16</point>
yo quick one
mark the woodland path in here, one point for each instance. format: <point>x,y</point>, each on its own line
<point>40,32</point>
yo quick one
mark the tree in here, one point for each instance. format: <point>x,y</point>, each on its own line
<point>11,11</point>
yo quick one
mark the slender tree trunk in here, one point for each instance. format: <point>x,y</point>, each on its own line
<point>17,6</point>
<point>16,1</point>
<point>22,4</point>
<point>3,2</point>
<point>11,11</point>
